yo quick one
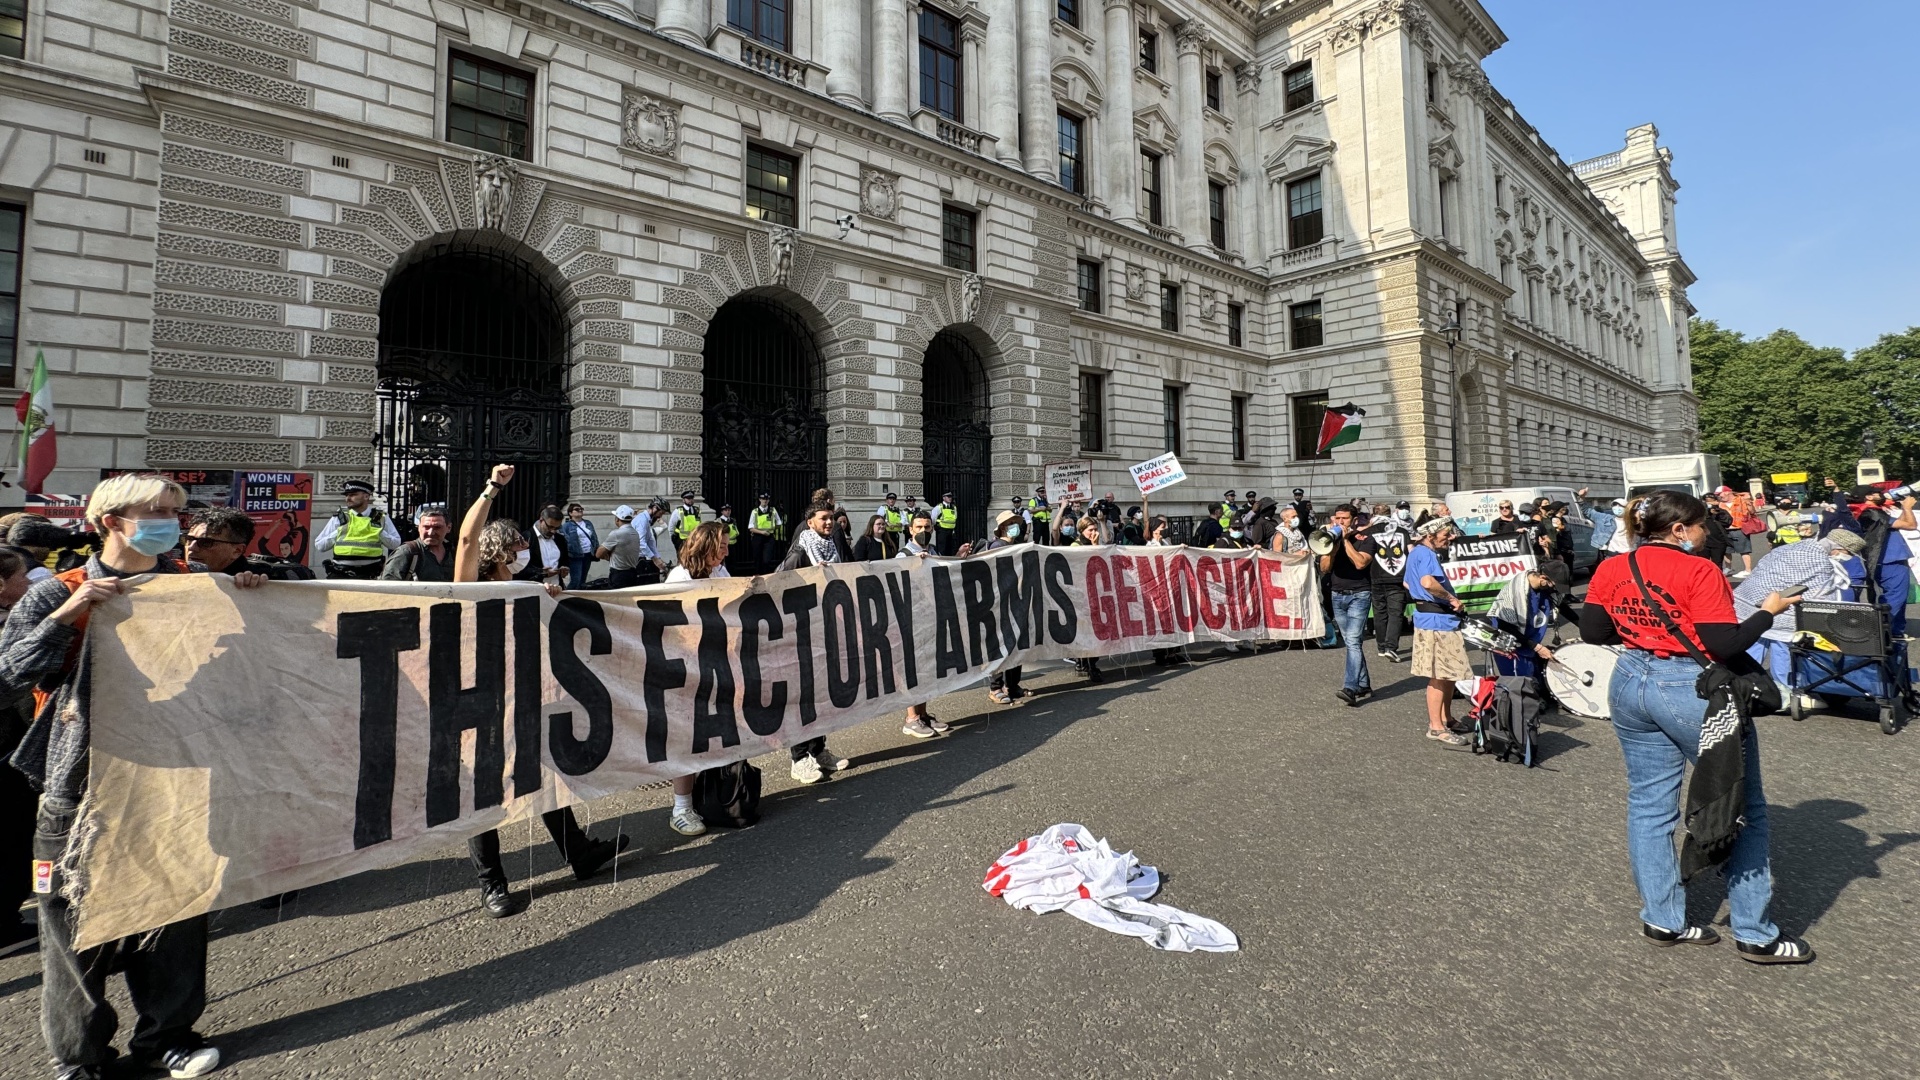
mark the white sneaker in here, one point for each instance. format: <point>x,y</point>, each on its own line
<point>184,1063</point>
<point>807,771</point>
<point>687,822</point>
<point>830,762</point>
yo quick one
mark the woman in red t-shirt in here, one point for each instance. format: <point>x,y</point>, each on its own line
<point>1657,715</point>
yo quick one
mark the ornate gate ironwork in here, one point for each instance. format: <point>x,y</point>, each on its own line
<point>957,439</point>
<point>473,371</point>
<point>763,429</point>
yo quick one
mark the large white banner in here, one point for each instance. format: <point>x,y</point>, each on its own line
<point>250,742</point>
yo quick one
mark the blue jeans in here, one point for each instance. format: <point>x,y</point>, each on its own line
<point>1350,614</point>
<point>1657,717</point>
<point>578,579</point>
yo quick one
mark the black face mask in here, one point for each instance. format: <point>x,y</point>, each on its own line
<point>923,538</point>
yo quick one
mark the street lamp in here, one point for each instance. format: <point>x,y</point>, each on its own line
<point>1451,332</point>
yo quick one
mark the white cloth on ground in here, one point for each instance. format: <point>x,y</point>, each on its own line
<point>1068,869</point>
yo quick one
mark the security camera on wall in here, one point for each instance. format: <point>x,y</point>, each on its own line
<point>847,224</point>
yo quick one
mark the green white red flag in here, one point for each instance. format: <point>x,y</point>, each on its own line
<point>1340,426</point>
<point>34,410</point>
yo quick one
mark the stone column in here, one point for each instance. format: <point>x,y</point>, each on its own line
<point>841,44</point>
<point>1000,97</point>
<point>1037,109</point>
<point>682,20</point>
<point>1122,157</point>
<point>1190,98</point>
<point>1249,203</point>
<point>892,38</point>
<point>973,91</point>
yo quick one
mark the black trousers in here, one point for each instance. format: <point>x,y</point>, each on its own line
<point>1389,613</point>
<point>18,808</point>
<point>354,571</point>
<point>165,970</point>
<point>1008,679</point>
<point>808,748</point>
<point>944,542</point>
<point>561,825</point>
<point>765,553</point>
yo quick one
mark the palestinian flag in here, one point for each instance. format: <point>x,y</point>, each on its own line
<point>1340,426</point>
<point>34,410</point>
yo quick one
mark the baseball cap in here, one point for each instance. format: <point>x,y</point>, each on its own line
<point>623,512</point>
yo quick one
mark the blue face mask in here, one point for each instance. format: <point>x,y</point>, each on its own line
<point>1686,545</point>
<point>153,536</point>
<point>1013,532</point>
<point>1236,534</point>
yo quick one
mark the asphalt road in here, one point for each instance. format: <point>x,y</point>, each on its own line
<point>1405,910</point>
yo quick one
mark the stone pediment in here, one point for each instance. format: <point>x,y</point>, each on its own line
<point>1153,125</point>
<point>1297,155</point>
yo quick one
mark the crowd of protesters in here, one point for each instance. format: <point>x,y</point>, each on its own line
<point>1374,562</point>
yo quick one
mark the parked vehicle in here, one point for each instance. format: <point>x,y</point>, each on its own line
<point>1695,474</point>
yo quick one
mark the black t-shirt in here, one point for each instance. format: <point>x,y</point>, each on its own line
<point>1502,525</point>
<point>1343,575</point>
<point>1390,546</point>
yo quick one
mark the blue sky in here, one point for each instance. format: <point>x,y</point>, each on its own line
<point>1795,132</point>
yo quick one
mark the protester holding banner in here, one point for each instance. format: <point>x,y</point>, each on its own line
<point>496,551</point>
<point>703,556</point>
<point>920,724</point>
<point>18,800</point>
<point>1439,653</point>
<point>817,544</point>
<point>1089,536</point>
<point>138,517</point>
<point>217,539</point>
<point>1674,614</point>
<point>1004,687</point>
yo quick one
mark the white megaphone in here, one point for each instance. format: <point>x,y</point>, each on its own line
<point>1322,542</point>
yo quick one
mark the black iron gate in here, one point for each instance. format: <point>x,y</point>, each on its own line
<point>957,439</point>
<point>763,429</point>
<point>473,369</point>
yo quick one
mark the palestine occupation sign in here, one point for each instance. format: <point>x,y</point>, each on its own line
<point>246,743</point>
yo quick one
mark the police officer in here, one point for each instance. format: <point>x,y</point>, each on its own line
<point>1040,516</point>
<point>895,517</point>
<point>726,522</point>
<point>946,519</point>
<point>1227,511</point>
<point>359,536</point>
<point>764,527</point>
<point>686,518</point>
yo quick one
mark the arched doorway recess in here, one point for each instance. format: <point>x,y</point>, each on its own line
<point>472,372</point>
<point>957,438</point>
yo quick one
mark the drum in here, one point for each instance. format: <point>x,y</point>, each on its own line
<point>1579,677</point>
<point>1483,634</point>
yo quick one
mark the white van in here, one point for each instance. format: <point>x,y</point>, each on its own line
<point>1474,511</point>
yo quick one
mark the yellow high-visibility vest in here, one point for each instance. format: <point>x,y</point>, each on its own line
<point>896,520</point>
<point>946,516</point>
<point>689,521</point>
<point>359,537</point>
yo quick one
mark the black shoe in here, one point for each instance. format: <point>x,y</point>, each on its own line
<point>1352,699</point>
<point>598,854</point>
<point>1092,673</point>
<point>1692,935</point>
<point>499,902</point>
<point>82,1072</point>
<point>18,938</point>
<point>1392,655</point>
<point>1784,950</point>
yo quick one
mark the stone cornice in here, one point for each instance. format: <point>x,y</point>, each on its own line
<point>1505,124</point>
<point>35,82</point>
<point>1100,228</point>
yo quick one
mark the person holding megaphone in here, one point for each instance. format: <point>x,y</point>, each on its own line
<point>1343,555</point>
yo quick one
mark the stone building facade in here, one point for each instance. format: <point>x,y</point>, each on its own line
<point>897,245</point>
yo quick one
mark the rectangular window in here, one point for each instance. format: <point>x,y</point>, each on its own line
<point>1299,84</point>
<point>1089,282</point>
<point>13,33</point>
<point>1433,85</point>
<point>1170,414</point>
<point>765,21</point>
<point>1217,214</point>
<point>13,232</point>
<point>1213,90</point>
<point>1304,228</point>
<point>1169,307</point>
<point>1068,11</point>
<point>1239,427</point>
<point>1309,410</point>
<point>1149,51</point>
<point>1073,164</point>
<point>1150,187</point>
<point>1236,325</point>
<point>773,187</point>
<point>1305,319</point>
<point>940,88</point>
<point>956,238</point>
<point>488,107</point>
<point>1093,412</point>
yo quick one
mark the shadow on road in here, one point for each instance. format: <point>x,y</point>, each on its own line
<point>1816,855</point>
<point>755,880</point>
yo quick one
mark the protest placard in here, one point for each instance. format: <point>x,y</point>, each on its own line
<point>1156,473</point>
<point>1069,481</point>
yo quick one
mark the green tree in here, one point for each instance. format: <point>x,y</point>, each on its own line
<point>1778,403</point>
<point>1889,373</point>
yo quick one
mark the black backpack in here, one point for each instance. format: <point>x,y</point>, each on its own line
<point>728,795</point>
